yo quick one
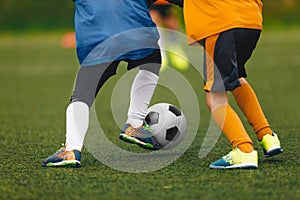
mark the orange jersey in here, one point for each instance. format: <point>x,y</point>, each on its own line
<point>204,18</point>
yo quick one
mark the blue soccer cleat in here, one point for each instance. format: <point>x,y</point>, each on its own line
<point>140,136</point>
<point>63,158</point>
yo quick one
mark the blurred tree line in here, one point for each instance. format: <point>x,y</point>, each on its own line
<point>58,14</point>
<point>36,14</point>
<point>281,12</point>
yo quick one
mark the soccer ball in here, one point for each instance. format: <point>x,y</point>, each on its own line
<point>167,124</point>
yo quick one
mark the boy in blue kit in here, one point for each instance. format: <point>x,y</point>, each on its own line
<point>108,32</point>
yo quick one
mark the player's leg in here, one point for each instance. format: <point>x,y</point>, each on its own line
<point>142,89</point>
<point>141,93</point>
<point>220,77</point>
<point>158,12</point>
<point>246,97</point>
<point>177,57</point>
<point>250,106</point>
<point>88,82</point>
<point>243,155</point>
<point>164,15</point>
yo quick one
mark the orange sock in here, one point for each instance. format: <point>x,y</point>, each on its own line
<point>232,127</point>
<point>248,103</point>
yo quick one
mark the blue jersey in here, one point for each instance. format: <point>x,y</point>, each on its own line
<point>108,30</point>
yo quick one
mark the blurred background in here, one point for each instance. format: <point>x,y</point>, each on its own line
<point>37,72</point>
<point>53,15</point>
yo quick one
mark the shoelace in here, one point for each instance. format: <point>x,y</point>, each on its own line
<point>228,158</point>
<point>147,128</point>
<point>62,148</point>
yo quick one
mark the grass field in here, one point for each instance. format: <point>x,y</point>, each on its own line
<point>36,80</point>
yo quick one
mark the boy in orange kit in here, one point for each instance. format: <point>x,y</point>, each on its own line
<point>229,31</point>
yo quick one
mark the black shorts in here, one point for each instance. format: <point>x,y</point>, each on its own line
<point>225,56</point>
<point>154,57</point>
<point>90,79</point>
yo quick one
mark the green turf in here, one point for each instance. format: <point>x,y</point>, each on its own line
<point>36,80</point>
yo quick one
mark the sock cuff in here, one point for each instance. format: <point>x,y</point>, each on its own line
<point>149,75</point>
<point>245,88</point>
<point>77,104</point>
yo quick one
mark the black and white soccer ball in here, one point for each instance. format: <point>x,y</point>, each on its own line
<point>167,123</point>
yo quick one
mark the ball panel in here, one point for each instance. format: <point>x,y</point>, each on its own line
<point>171,133</point>
<point>152,118</point>
<point>174,110</point>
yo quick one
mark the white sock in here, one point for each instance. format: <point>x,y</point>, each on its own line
<point>142,90</point>
<point>77,122</point>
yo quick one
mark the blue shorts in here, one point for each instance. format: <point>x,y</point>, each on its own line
<point>112,30</point>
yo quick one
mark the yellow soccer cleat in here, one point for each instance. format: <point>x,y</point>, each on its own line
<point>271,145</point>
<point>237,159</point>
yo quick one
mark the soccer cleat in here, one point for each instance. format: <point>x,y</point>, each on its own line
<point>140,136</point>
<point>63,158</point>
<point>237,159</point>
<point>271,145</point>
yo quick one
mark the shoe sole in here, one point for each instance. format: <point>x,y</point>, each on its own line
<point>237,166</point>
<point>273,152</point>
<point>133,140</point>
<point>69,163</point>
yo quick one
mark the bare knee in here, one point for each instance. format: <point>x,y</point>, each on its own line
<point>216,99</point>
<point>242,81</point>
<point>208,101</point>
